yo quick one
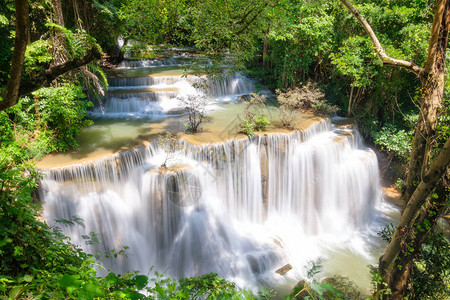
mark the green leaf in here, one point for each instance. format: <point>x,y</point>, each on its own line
<point>70,281</point>
<point>112,278</point>
<point>15,292</point>
<point>3,20</point>
<point>91,290</point>
<point>140,281</point>
<point>26,278</point>
<point>133,295</point>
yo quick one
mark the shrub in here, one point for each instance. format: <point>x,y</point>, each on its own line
<point>247,127</point>
<point>308,96</point>
<point>169,143</point>
<point>60,110</point>
<point>396,142</point>
<point>255,116</point>
<point>196,109</point>
<point>335,287</point>
<point>287,116</point>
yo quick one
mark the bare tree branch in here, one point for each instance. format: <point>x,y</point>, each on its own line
<point>376,43</point>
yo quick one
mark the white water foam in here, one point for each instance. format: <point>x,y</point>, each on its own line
<point>241,208</point>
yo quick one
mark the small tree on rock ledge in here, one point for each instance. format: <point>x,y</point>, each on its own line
<point>196,109</point>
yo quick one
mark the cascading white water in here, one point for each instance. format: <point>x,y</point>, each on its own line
<point>242,208</point>
<point>174,60</point>
<point>149,95</point>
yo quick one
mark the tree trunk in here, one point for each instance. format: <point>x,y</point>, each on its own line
<point>411,247</point>
<point>430,98</point>
<point>11,94</point>
<point>393,266</point>
<point>349,111</point>
<point>265,48</point>
<point>57,8</point>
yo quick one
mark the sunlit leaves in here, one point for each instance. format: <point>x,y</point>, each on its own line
<point>355,59</point>
<point>390,138</point>
<point>37,57</point>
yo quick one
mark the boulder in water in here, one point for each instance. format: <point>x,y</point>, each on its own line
<point>246,97</point>
<point>302,288</point>
<point>283,270</point>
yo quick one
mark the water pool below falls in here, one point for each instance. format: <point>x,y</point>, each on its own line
<point>242,208</point>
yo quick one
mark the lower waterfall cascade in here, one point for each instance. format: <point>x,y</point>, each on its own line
<point>242,209</point>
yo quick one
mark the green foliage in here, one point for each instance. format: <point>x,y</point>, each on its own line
<point>7,32</point>
<point>335,287</point>
<point>351,60</point>
<point>208,286</point>
<point>430,276</point>
<point>59,110</point>
<point>387,232</point>
<point>378,285</point>
<point>37,57</point>
<point>261,122</point>
<point>32,256</point>
<point>255,116</point>
<point>395,140</point>
<point>308,96</point>
<point>155,21</point>
<point>77,42</point>
<point>247,127</point>
<point>196,110</point>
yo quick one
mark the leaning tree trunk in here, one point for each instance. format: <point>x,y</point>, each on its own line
<point>413,239</point>
<point>395,265</point>
<point>430,97</point>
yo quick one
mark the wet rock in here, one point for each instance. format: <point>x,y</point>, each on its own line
<point>344,123</point>
<point>278,243</point>
<point>283,270</point>
<point>393,195</point>
<point>254,265</point>
<point>246,97</point>
<point>301,290</point>
<point>329,280</point>
<point>177,111</point>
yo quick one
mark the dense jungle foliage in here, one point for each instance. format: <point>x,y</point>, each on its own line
<point>286,43</point>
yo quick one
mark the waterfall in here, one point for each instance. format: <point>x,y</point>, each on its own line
<point>147,96</point>
<point>147,88</point>
<point>242,208</point>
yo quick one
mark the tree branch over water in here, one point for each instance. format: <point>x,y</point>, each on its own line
<point>16,87</point>
<point>46,77</point>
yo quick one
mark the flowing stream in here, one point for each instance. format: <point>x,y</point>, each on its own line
<point>241,208</point>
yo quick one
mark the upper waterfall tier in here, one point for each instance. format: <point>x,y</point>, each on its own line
<point>152,88</point>
<point>133,96</point>
<point>176,60</point>
<point>240,208</point>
